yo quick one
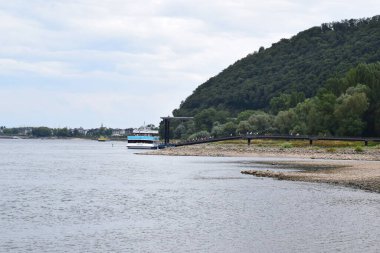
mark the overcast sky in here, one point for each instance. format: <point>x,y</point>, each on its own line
<point>81,63</point>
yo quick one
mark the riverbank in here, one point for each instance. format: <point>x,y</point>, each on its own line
<point>358,174</point>
<point>241,150</point>
<point>359,168</point>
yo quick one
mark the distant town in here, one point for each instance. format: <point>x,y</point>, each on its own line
<point>40,132</point>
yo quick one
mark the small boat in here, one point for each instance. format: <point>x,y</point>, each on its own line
<point>143,138</point>
<point>102,138</point>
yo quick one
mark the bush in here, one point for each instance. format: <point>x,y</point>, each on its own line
<point>331,150</point>
<point>199,135</point>
<point>359,149</point>
<point>286,145</point>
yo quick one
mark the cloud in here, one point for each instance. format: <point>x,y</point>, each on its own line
<point>88,109</point>
<point>44,68</point>
<point>146,55</point>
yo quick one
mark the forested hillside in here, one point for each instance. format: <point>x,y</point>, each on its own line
<point>346,106</point>
<point>279,77</point>
<point>323,81</point>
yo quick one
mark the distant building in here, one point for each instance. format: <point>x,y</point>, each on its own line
<point>129,131</point>
<point>81,131</point>
<point>25,131</point>
<point>144,131</point>
<point>118,132</point>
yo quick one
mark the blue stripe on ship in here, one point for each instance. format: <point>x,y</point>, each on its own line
<point>143,138</point>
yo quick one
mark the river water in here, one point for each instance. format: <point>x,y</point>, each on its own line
<point>88,196</point>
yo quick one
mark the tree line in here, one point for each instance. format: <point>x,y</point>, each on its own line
<point>346,106</point>
<point>65,132</point>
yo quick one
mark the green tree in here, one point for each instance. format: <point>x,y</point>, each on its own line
<point>335,85</point>
<point>261,122</point>
<point>41,132</point>
<point>179,131</point>
<point>63,132</point>
<point>244,115</point>
<point>11,131</point>
<point>320,118</point>
<point>244,128</point>
<point>229,129</point>
<point>286,121</point>
<point>217,130</point>
<point>285,101</point>
<point>349,113</point>
<point>199,135</point>
<point>206,118</point>
<point>368,75</point>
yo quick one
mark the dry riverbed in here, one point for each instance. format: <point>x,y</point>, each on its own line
<point>342,166</point>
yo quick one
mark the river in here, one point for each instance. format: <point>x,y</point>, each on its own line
<point>88,196</point>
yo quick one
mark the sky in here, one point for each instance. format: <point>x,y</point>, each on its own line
<point>122,63</point>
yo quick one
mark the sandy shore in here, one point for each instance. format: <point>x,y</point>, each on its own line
<point>342,166</point>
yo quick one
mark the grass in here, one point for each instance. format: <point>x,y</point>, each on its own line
<point>331,150</point>
<point>337,144</point>
<point>359,149</point>
<point>317,144</point>
<point>286,145</point>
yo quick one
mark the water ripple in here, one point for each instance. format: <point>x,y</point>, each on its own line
<point>84,196</point>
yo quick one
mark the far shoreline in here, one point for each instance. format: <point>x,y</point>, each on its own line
<point>341,166</point>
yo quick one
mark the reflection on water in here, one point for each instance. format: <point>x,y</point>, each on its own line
<point>86,196</point>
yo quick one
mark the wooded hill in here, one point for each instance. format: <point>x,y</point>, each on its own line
<point>293,68</point>
<point>323,81</point>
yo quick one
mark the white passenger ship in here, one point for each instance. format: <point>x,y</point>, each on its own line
<point>143,138</point>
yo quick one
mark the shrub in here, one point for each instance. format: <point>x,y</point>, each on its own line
<point>359,149</point>
<point>199,135</point>
<point>331,150</point>
<point>286,145</point>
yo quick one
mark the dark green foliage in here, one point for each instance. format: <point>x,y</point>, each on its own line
<point>41,132</point>
<point>244,128</point>
<point>279,77</point>
<point>102,131</point>
<point>323,81</point>
<point>286,122</point>
<point>286,101</point>
<point>207,117</point>
<point>222,130</point>
<point>348,109</point>
<point>351,108</point>
<point>199,135</point>
<point>261,123</point>
<point>63,132</point>
<point>179,131</point>
<point>11,131</point>
<point>244,115</point>
<point>369,75</point>
<point>228,129</point>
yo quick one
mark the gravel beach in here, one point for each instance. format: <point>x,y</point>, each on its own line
<point>342,166</point>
